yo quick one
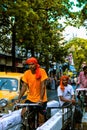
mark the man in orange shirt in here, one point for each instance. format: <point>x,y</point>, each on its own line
<point>34,82</point>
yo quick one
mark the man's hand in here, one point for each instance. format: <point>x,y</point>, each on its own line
<point>17,101</point>
<point>40,102</point>
<point>73,101</point>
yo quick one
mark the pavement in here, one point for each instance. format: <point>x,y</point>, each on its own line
<point>52,94</point>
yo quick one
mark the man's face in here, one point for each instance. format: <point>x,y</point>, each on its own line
<point>32,66</point>
<point>65,82</point>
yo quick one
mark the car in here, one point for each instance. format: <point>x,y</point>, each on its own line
<point>10,86</point>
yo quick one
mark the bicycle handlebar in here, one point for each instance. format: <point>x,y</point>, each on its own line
<point>26,105</point>
<point>81,89</point>
<point>67,106</point>
<point>37,104</point>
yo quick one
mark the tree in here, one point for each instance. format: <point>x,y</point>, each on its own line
<point>78,47</point>
<point>35,26</point>
<point>82,14</point>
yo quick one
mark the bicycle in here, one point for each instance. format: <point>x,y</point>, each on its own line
<point>30,118</point>
<point>81,106</point>
<point>82,96</point>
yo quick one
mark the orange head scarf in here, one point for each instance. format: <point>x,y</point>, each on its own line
<point>34,61</point>
<point>61,81</point>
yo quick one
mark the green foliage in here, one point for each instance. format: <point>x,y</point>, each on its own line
<point>35,25</point>
<point>78,47</point>
<point>83,13</point>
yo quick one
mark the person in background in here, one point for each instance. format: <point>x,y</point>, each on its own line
<point>34,82</point>
<point>65,91</point>
<point>52,81</point>
<point>81,67</point>
<point>82,78</point>
<point>83,64</point>
<point>66,96</point>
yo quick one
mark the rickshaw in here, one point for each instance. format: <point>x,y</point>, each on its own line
<point>13,120</point>
<point>66,113</point>
<point>81,94</point>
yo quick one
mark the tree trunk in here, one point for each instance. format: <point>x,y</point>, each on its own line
<point>13,48</point>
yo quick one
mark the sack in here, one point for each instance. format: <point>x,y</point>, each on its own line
<point>11,120</point>
<point>78,114</point>
<point>16,127</point>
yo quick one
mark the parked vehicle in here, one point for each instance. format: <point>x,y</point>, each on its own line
<point>10,85</point>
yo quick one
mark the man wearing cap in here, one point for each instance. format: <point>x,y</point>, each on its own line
<point>34,82</point>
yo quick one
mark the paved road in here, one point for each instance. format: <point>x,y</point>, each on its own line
<point>52,94</point>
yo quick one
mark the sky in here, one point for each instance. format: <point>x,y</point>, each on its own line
<point>75,9</point>
<point>71,32</point>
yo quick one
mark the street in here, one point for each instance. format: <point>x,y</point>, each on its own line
<point>52,94</point>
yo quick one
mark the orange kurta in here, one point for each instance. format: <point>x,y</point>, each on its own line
<point>34,85</point>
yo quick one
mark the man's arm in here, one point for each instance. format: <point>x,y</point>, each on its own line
<point>23,89</point>
<point>68,100</point>
<point>64,99</point>
<point>42,92</point>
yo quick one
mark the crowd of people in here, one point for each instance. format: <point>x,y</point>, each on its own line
<point>35,80</point>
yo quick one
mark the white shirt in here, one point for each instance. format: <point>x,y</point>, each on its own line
<point>67,93</point>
